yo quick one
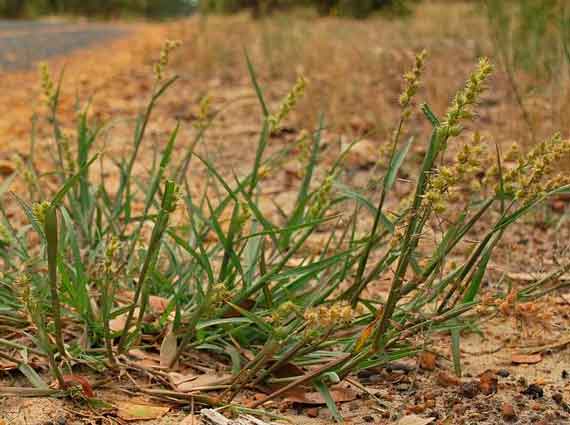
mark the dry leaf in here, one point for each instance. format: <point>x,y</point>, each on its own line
<point>204,382</point>
<point>191,420</point>
<point>488,382</point>
<point>339,395</point>
<point>168,347</point>
<point>137,412</point>
<point>6,167</point>
<point>446,380</point>
<point>157,304</point>
<point>526,358</point>
<point>118,323</point>
<point>246,304</point>
<point>427,360</point>
<point>144,358</point>
<point>86,387</point>
<point>414,420</point>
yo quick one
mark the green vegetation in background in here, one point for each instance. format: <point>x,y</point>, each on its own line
<point>349,8</point>
<point>531,35</point>
<point>95,8</point>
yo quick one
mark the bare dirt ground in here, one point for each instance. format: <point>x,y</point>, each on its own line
<point>516,364</point>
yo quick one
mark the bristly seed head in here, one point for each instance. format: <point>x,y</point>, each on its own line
<point>288,104</point>
<point>162,63</point>
<point>329,316</point>
<point>39,211</point>
<point>48,87</point>
<point>464,101</point>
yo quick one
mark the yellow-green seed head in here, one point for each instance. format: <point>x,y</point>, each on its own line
<point>39,211</point>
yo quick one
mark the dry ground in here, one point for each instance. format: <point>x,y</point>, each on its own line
<point>354,71</point>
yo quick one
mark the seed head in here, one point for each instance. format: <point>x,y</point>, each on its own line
<point>48,87</point>
<point>283,311</point>
<point>322,198</point>
<point>39,210</point>
<point>288,104</point>
<point>465,100</point>
<point>167,48</point>
<point>329,316</point>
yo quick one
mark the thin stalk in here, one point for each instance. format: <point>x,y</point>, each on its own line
<point>359,285</point>
<point>108,296</point>
<point>51,232</point>
<point>168,205</point>
<point>410,239</point>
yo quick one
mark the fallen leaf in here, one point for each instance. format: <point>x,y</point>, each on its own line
<point>86,387</point>
<point>6,167</point>
<point>338,393</point>
<point>203,382</point>
<point>157,304</point>
<point>488,382</point>
<point>246,304</point>
<point>143,358</point>
<point>526,358</point>
<point>137,412</point>
<point>446,380</point>
<point>427,360</point>
<point>287,370</point>
<point>168,348</point>
<point>118,323</point>
<point>414,420</point>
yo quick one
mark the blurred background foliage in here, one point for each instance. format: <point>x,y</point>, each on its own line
<point>96,8</point>
<point>166,8</point>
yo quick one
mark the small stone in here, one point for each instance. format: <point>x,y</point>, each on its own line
<point>488,382</point>
<point>534,391</point>
<point>404,386</point>
<point>558,206</point>
<point>470,389</point>
<point>503,373</point>
<point>565,374</point>
<point>508,412</point>
<point>368,419</point>
<point>459,408</point>
<point>558,398</point>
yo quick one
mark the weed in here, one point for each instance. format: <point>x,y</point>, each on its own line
<point>231,276</point>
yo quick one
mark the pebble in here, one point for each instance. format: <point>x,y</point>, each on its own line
<point>470,389</point>
<point>503,373</point>
<point>508,411</point>
<point>534,391</point>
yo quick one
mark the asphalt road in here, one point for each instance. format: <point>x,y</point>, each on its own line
<point>24,43</point>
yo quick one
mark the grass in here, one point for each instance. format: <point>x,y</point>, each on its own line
<point>235,281</point>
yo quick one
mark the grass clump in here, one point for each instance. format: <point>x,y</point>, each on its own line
<point>237,283</point>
